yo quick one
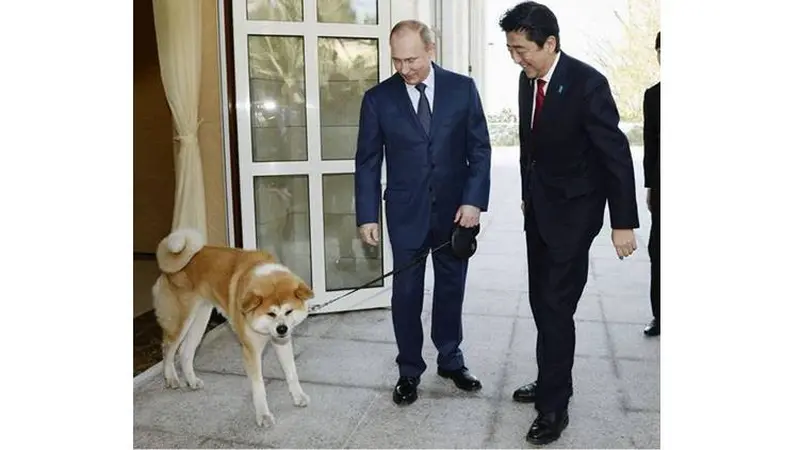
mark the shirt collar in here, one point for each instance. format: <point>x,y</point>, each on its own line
<point>429,81</point>
<point>549,74</point>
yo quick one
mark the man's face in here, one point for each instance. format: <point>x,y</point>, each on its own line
<point>410,56</point>
<point>534,60</point>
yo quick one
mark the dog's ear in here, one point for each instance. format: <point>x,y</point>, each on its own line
<point>255,297</point>
<point>303,292</point>
<point>251,301</point>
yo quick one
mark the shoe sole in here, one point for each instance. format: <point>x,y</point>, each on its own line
<point>524,399</point>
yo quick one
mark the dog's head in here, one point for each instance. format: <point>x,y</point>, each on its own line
<point>275,302</point>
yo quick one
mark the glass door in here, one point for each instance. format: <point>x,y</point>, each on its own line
<point>301,69</point>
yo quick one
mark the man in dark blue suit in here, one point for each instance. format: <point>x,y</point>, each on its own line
<point>573,159</point>
<point>428,124</point>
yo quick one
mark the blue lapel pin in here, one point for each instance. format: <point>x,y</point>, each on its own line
<point>560,88</point>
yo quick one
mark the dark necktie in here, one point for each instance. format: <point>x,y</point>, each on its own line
<point>424,109</point>
<point>539,100</point>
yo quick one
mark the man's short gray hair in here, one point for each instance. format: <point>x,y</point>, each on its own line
<point>425,32</point>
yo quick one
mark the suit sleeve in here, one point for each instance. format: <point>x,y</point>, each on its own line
<point>368,162</point>
<point>650,138</point>
<point>479,153</point>
<point>602,125</point>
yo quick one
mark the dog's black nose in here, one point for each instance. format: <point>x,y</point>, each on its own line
<point>282,329</point>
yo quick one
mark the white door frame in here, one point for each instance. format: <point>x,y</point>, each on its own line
<point>314,167</point>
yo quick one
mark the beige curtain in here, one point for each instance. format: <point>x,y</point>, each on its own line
<point>178,24</point>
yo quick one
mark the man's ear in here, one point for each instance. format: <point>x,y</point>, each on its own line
<point>303,292</point>
<point>431,49</point>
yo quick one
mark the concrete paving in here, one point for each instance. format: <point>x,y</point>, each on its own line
<point>346,364</point>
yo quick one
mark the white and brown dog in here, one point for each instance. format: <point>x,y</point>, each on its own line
<point>262,299</point>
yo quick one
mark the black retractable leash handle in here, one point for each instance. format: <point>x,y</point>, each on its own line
<point>463,242</point>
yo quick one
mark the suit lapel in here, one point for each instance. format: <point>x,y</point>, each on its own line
<point>525,103</point>
<point>553,98</point>
<point>440,80</point>
<point>404,103</point>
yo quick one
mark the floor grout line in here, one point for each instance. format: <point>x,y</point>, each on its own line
<point>498,399</point>
<point>361,420</point>
<point>615,366</point>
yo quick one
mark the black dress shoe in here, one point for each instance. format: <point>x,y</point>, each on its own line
<point>653,328</point>
<point>526,394</point>
<point>405,391</point>
<point>547,427</point>
<point>462,378</point>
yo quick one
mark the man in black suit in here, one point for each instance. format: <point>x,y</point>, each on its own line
<point>652,181</point>
<point>573,159</point>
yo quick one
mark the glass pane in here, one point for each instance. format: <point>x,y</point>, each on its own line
<point>347,68</point>
<point>275,10</point>
<point>282,221</point>
<point>349,262</point>
<point>277,98</point>
<point>348,11</point>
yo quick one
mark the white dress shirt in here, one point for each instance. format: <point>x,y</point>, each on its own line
<point>413,93</point>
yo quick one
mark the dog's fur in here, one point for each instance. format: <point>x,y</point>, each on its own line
<point>261,298</point>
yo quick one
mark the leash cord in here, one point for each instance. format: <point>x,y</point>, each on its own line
<point>413,262</point>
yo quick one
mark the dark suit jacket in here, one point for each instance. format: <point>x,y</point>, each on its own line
<point>652,137</point>
<point>427,177</point>
<point>576,158</point>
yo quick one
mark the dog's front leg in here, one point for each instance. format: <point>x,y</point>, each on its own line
<point>252,362</point>
<point>285,353</point>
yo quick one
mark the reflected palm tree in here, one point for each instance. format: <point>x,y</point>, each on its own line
<point>275,10</point>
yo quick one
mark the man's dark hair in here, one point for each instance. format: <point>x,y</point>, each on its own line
<point>534,19</point>
<point>658,41</point>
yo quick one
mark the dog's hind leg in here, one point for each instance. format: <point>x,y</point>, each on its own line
<point>194,334</point>
<point>285,353</point>
<point>252,352</point>
<point>174,323</point>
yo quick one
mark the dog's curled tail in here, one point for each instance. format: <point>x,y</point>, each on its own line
<point>176,250</point>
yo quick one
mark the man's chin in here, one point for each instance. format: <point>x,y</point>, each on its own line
<point>530,73</point>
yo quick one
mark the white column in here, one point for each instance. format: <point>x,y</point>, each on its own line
<point>402,10</point>
<point>477,43</point>
<point>425,9</point>
<point>455,35</point>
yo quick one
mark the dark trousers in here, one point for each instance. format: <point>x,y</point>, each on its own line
<point>654,249</point>
<point>450,275</point>
<point>556,279</point>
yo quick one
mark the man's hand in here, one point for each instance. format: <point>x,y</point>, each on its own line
<point>648,200</point>
<point>369,233</point>
<point>468,216</point>
<point>624,241</point>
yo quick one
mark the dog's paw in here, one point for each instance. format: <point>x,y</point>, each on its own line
<point>195,383</point>
<point>265,419</point>
<point>172,382</point>
<point>301,398</point>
